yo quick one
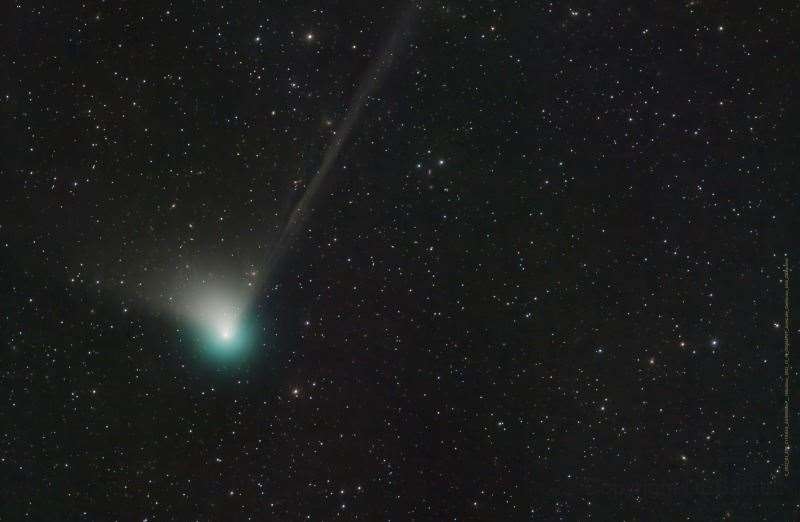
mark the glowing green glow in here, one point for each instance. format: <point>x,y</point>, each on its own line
<point>227,341</point>
<point>222,324</point>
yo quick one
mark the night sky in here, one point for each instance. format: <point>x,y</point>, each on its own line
<point>397,260</point>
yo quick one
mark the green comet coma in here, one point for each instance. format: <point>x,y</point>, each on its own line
<point>230,343</point>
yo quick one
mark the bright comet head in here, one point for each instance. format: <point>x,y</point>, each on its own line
<point>217,317</point>
<point>227,334</point>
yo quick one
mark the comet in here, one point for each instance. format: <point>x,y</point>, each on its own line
<point>217,309</point>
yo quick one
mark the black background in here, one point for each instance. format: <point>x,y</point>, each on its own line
<point>544,281</point>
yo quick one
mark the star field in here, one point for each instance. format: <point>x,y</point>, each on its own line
<point>397,261</point>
